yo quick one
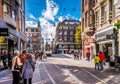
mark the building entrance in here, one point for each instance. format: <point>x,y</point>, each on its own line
<point>107,50</point>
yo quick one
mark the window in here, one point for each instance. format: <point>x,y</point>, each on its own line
<point>71,33</point>
<point>60,27</point>
<point>65,38</point>
<point>60,39</point>
<point>6,8</point>
<point>114,8</point>
<point>86,19</point>
<point>32,30</point>
<point>65,32</point>
<point>65,27</point>
<point>71,28</point>
<point>60,33</point>
<point>30,34</point>
<point>71,39</point>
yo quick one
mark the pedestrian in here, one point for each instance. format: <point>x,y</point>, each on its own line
<point>102,59</point>
<point>33,57</point>
<point>75,55</point>
<point>44,56</point>
<point>27,70</point>
<point>96,61</point>
<point>88,55</point>
<point>5,60</point>
<point>23,56</point>
<point>10,56</point>
<point>16,72</point>
<point>41,55</point>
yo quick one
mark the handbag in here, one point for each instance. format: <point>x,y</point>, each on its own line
<point>16,66</point>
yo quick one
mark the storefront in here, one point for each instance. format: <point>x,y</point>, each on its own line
<point>106,41</point>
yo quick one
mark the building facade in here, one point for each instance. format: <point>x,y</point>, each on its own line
<point>107,13</point>
<point>33,38</point>
<point>12,12</point>
<point>88,28</point>
<point>64,39</point>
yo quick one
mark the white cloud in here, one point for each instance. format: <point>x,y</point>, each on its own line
<point>30,24</point>
<point>61,18</point>
<point>47,17</point>
<point>51,10</point>
<point>32,17</point>
<point>80,19</point>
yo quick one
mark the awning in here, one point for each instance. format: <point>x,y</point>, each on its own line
<point>3,28</point>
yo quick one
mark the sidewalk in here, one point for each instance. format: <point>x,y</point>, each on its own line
<point>83,62</point>
<point>4,73</point>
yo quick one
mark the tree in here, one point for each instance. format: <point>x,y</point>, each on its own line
<point>77,35</point>
<point>2,39</point>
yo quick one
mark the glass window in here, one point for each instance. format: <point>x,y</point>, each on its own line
<point>32,30</point>
<point>65,38</point>
<point>71,39</point>
<point>5,8</point>
<point>60,39</point>
<point>60,33</point>
<point>65,32</point>
<point>65,27</point>
<point>60,27</point>
<point>71,33</point>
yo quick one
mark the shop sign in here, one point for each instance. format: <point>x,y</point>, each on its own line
<point>90,40</point>
<point>3,32</point>
<point>3,28</point>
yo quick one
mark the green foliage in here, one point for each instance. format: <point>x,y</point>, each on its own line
<point>117,24</point>
<point>77,35</point>
<point>2,39</point>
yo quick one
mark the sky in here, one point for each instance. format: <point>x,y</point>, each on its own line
<point>50,12</point>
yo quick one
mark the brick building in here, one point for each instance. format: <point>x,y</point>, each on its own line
<point>12,13</point>
<point>64,39</point>
<point>107,36</point>
<point>88,27</point>
<point>33,38</point>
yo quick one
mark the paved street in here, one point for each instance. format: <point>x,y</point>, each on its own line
<point>62,69</point>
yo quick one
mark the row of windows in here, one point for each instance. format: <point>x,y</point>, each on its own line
<point>66,32</point>
<point>65,39</point>
<point>31,30</point>
<point>33,40</point>
<point>103,14</point>
<point>11,8</point>
<point>66,27</point>
<point>31,34</point>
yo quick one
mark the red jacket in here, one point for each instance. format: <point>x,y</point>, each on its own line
<point>101,56</point>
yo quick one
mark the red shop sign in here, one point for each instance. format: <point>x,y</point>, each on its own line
<point>90,40</point>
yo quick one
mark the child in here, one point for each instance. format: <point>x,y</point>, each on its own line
<point>96,60</point>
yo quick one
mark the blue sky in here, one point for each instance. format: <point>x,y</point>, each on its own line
<point>49,12</point>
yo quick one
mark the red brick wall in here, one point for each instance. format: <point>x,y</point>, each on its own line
<point>1,11</point>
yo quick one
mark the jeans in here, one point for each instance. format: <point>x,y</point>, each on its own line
<point>101,64</point>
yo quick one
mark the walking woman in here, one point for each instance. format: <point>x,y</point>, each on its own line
<point>28,69</point>
<point>15,72</point>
